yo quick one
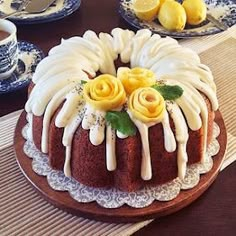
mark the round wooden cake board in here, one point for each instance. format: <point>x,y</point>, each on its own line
<point>125,213</point>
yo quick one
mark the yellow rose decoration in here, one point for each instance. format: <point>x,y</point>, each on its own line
<point>147,105</point>
<point>135,78</point>
<point>105,92</point>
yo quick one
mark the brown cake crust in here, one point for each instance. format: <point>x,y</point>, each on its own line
<point>37,126</point>
<point>56,150</point>
<point>128,154</point>
<point>88,162</point>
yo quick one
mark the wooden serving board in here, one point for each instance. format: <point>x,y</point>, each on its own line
<point>125,213</point>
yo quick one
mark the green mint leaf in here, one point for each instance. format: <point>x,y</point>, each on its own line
<point>169,92</point>
<point>83,82</point>
<point>121,121</point>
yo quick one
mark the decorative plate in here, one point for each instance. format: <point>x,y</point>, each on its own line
<point>223,10</point>
<point>29,57</point>
<point>58,10</point>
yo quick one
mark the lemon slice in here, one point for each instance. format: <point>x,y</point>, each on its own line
<point>146,9</point>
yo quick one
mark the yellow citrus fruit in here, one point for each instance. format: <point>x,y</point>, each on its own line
<point>195,11</point>
<point>146,9</point>
<point>161,2</point>
<point>172,15</point>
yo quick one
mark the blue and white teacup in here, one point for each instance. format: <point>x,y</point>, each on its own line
<point>8,48</point>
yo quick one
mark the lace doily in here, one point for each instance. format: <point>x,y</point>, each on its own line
<point>113,198</point>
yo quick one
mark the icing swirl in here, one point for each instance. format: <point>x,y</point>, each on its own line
<point>105,93</point>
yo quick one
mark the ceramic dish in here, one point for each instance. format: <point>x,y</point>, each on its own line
<point>29,57</point>
<point>223,10</point>
<point>58,10</point>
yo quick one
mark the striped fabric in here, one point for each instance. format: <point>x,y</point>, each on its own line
<point>202,44</point>
<point>23,212</point>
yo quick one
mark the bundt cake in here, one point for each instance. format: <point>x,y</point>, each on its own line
<point>124,110</point>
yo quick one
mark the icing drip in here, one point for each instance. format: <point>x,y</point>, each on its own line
<point>52,106</point>
<point>67,169</point>
<point>146,167</point>
<point>96,134</point>
<point>72,100</point>
<point>196,83</point>
<point>110,148</point>
<point>94,121</point>
<point>120,135</point>
<point>188,107</point>
<point>204,115</point>
<point>197,103</point>
<point>72,126</point>
<point>169,139</point>
<point>181,130</point>
<point>68,135</point>
<point>47,91</point>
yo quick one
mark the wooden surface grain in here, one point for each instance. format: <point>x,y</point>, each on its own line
<point>214,213</point>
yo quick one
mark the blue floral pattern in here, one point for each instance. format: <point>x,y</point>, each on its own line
<point>62,8</point>
<point>8,56</point>
<point>29,57</point>
<point>228,17</point>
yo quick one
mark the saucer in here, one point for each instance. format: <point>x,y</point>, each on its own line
<point>29,57</point>
<point>58,10</point>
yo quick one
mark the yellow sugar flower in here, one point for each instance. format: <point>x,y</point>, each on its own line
<point>147,105</point>
<point>135,78</point>
<point>105,92</point>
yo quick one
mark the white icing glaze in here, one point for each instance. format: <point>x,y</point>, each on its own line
<point>146,167</point>
<point>80,56</point>
<point>120,135</point>
<point>110,148</point>
<point>169,139</point>
<point>67,169</point>
<point>52,106</point>
<point>181,136</point>
<point>94,121</point>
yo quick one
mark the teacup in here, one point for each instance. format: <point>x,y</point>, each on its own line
<point>8,48</point>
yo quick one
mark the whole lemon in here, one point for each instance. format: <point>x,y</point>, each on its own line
<point>195,11</point>
<point>172,15</point>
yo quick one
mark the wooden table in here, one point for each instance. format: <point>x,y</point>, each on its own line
<point>212,214</point>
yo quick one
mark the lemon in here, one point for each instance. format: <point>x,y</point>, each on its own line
<point>195,10</point>
<point>172,15</point>
<point>146,9</point>
<point>161,2</point>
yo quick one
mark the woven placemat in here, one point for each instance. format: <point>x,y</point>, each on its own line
<point>24,212</point>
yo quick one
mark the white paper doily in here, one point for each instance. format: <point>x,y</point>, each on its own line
<point>113,198</point>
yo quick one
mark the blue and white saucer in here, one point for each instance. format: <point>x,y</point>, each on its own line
<point>29,57</point>
<point>58,10</point>
<point>223,10</point>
